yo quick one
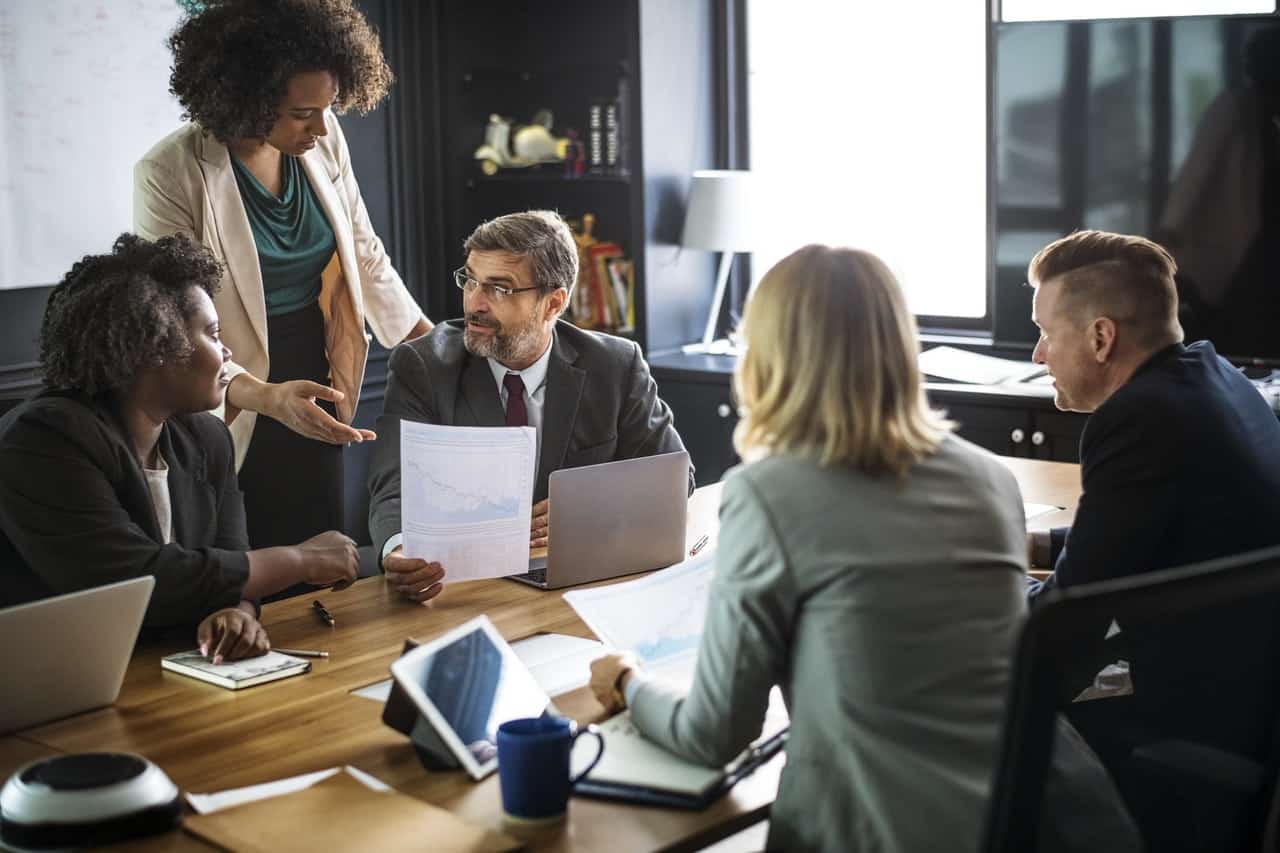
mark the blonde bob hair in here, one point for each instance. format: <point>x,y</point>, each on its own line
<point>830,370</point>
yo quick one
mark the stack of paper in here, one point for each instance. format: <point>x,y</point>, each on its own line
<point>964,366</point>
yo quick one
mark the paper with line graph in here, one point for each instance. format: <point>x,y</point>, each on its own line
<point>658,618</point>
<point>466,497</point>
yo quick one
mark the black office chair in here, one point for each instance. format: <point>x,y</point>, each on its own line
<point>9,401</point>
<point>1236,788</point>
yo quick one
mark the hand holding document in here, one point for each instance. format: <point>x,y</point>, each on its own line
<point>467,497</point>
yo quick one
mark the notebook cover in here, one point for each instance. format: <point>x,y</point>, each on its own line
<point>234,675</point>
<point>341,814</point>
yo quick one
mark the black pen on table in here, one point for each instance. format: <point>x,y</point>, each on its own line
<point>322,613</point>
<point>699,545</point>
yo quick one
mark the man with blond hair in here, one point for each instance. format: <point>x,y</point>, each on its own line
<point>1179,462</point>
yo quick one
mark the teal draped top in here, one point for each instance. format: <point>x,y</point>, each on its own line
<point>295,241</point>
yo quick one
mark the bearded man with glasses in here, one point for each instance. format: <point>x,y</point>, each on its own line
<point>511,361</point>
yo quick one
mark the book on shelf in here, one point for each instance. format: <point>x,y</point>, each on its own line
<point>611,140</point>
<point>607,308</point>
<point>622,278</point>
<point>236,674</point>
<point>595,138</point>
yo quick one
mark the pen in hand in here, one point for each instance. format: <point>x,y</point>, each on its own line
<point>325,615</point>
<point>699,545</point>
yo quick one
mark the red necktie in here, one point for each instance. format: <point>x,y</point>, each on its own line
<point>516,414</point>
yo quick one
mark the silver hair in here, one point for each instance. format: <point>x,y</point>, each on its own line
<point>541,235</point>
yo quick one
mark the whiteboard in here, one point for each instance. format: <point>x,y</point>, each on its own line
<point>84,93</point>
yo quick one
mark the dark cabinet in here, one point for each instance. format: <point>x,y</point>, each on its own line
<point>705,417</point>
<point>1011,422</point>
<point>1019,421</point>
<point>697,388</point>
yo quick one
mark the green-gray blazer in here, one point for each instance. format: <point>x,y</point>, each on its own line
<point>886,611</point>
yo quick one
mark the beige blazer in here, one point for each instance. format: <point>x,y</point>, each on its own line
<point>186,183</point>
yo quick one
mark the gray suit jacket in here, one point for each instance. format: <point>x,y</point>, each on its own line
<point>886,611</point>
<point>600,405</point>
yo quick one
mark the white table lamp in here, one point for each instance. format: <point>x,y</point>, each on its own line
<point>721,217</point>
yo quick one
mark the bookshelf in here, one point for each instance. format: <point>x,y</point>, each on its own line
<point>515,57</point>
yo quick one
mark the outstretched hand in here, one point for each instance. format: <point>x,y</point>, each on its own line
<point>293,404</point>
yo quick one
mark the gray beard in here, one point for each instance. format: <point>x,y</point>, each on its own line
<point>503,348</point>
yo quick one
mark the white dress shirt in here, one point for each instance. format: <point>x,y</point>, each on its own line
<point>158,485</point>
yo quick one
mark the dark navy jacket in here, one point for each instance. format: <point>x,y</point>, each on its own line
<point>1179,465</point>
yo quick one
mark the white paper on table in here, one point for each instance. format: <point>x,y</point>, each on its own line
<point>559,662</point>
<point>658,618</point>
<point>466,497</point>
<point>209,803</point>
<point>1032,510</point>
<point>964,366</point>
<point>379,691</point>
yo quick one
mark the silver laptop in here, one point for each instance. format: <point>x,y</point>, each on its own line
<point>67,654</point>
<point>614,519</point>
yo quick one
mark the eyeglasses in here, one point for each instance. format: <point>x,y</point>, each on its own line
<point>493,292</point>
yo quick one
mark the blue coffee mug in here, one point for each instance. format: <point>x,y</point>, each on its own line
<point>533,765</point>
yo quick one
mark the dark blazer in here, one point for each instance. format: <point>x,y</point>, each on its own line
<point>75,510</point>
<point>601,405</point>
<point>1181,464</point>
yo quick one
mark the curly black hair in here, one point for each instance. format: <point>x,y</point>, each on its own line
<point>114,315</point>
<point>233,59</point>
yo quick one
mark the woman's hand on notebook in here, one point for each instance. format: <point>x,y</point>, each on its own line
<point>231,634</point>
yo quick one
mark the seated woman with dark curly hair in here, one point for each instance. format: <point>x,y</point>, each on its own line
<point>115,470</point>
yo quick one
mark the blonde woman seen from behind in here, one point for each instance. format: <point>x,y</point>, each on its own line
<point>871,564</point>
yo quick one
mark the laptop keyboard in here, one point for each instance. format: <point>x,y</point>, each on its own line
<point>535,575</point>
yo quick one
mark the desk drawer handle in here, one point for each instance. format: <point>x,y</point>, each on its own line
<point>1017,436</point>
<point>1037,438</point>
<point>723,410</point>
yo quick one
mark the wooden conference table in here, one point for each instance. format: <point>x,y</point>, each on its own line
<point>209,739</point>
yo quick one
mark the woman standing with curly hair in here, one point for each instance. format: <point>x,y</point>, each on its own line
<point>262,176</point>
<point>117,471</point>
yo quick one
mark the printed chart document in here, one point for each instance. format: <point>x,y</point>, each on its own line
<point>658,618</point>
<point>467,497</point>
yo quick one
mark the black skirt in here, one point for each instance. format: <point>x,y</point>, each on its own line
<point>292,485</point>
